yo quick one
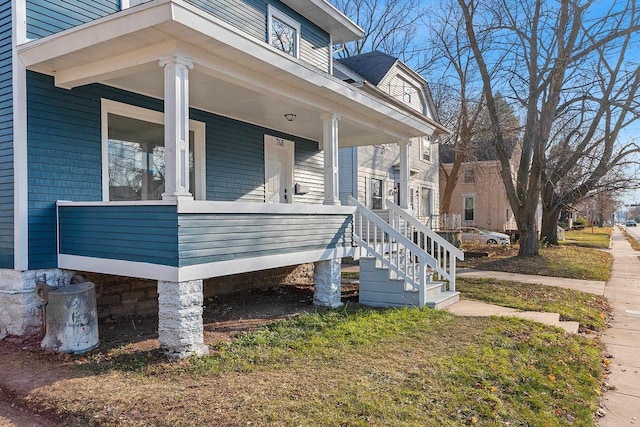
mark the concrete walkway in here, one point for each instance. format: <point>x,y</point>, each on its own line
<point>471,308</point>
<point>622,339</point>
<point>591,286</point>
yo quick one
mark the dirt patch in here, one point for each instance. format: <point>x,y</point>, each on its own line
<point>26,367</point>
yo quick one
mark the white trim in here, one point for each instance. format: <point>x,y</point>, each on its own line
<point>272,13</point>
<point>143,270</point>
<point>470,196</point>
<point>282,75</point>
<point>213,207</point>
<point>196,272</point>
<point>20,166</point>
<point>245,265</point>
<point>422,149</point>
<point>126,4</point>
<point>127,110</point>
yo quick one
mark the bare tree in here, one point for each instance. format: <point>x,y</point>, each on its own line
<point>389,26</point>
<point>540,54</point>
<point>457,92</point>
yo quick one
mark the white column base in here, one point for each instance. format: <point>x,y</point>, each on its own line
<point>180,326</point>
<point>328,283</point>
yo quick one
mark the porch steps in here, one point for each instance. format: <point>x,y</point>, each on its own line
<point>380,288</point>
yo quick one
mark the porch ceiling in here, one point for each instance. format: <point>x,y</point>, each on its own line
<point>234,75</point>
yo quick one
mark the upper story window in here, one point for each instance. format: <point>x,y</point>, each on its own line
<point>425,148</point>
<point>469,176</point>
<point>283,32</point>
<point>406,92</point>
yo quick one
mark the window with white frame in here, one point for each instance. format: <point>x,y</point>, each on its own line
<point>283,32</point>
<point>469,208</point>
<point>425,148</point>
<point>425,202</point>
<point>376,188</point>
<point>133,162</point>
<point>406,92</point>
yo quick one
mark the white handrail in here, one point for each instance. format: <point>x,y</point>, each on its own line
<point>440,249</point>
<point>375,237</point>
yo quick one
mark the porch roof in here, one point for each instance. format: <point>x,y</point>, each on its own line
<point>234,74</point>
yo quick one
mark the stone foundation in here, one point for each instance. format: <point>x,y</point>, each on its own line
<point>180,327</point>
<point>328,283</point>
<point>20,313</point>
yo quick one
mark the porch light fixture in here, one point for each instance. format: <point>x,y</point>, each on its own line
<point>290,117</point>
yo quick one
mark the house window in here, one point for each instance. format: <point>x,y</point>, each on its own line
<point>133,154</point>
<point>406,92</point>
<point>425,202</point>
<point>469,176</point>
<point>425,148</point>
<point>469,205</point>
<point>376,187</point>
<point>283,32</point>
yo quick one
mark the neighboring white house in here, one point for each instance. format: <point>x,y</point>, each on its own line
<point>371,173</point>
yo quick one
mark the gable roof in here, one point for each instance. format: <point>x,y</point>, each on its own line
<point>373,66</point>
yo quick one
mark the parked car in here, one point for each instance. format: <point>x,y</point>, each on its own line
<point>477,235</point>
<point>631,223</point>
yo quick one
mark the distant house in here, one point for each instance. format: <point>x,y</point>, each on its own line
<point>371,173</point>
<point>175,142</point>
<point>479,197</point>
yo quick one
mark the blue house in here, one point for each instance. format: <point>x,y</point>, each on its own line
<point>180,140</point>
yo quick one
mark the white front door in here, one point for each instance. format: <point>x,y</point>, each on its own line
<point>278,169</point>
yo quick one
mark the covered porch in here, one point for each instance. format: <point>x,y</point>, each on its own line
<point>172,51</point>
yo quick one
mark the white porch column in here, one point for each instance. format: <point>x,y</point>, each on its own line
<point>176,127</point>
<point>327,283</point>
<point>405,168</point>
<point>330,146</point>
<point>180,328</point>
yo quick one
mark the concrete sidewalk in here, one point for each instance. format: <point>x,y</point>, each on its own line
<point>590,286</point>
<point>622,339</point>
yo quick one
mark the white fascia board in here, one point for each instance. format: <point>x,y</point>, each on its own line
<point>150,271</point>
<point>141,270</point>
<point>246,265</point>
<point>326,93</point>
<point>93,32</point>
<point>329,18</point>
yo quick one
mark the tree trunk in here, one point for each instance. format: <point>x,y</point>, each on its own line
<point>526,221</point>
<point>528,243</point>
<point>549,231</point>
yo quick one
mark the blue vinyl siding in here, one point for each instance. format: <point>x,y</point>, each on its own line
<point>159,235</point>
<point>45,17</point>
<point>250,16</point>
<point>213,238</point>
<point>6,139</point>
<point>129,233</point>
<point>64,156</point>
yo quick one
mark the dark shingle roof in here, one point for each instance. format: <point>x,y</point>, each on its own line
<point>373,66</point>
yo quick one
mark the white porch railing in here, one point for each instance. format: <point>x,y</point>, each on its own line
<point>376,238</point>
<point>438,248</point>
